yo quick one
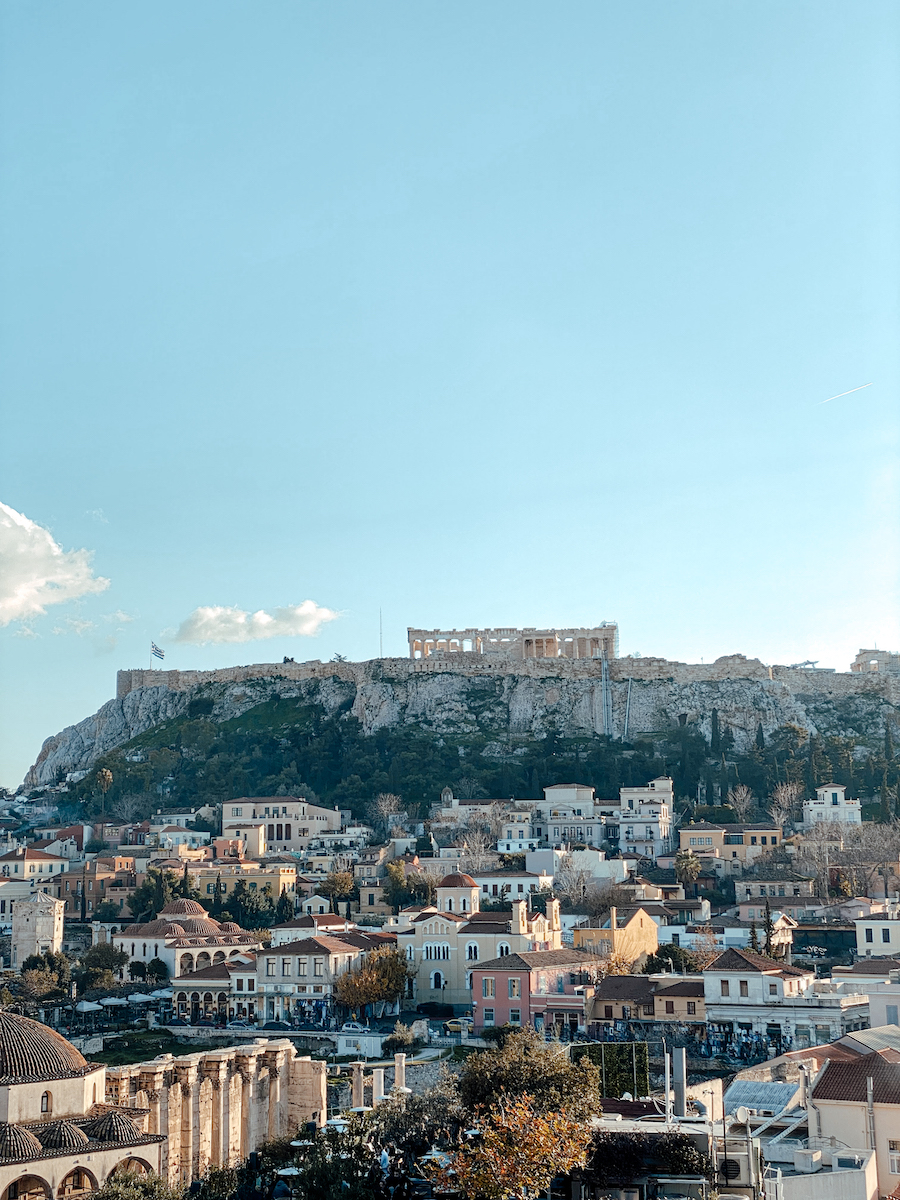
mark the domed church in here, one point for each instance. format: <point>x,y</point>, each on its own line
<point>186,938</point>
<point>58,1136</point>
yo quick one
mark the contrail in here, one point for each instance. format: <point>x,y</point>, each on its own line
<point>838,396</point>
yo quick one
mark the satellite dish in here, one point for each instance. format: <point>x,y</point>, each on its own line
<point>741,1115</point>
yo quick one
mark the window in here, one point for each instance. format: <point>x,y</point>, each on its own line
<point>670,1006</point>
<point>503,949</point>
<point>472,952</point>
<point>885,935</point>
<point>301,966</point>
<point>515,988</point>
<point>648,1010</point>
<point>891,1014</point>
<point>285,966</point>
<point>270,966</point>
<point>692,1008</point>
<point>47,1102</point>
<point>488,1016</point>
<point>742,987</point>
<point>318,967</point>
<point>724,987</point>
<point>487,987</point>
<point>237,812</point>
<point>753,840</point>
<point>515,1016</point>
<point>607,1011</point>
<point>870,935</point>
<point>773,989</point>
<point>287,833</point>
<point>894,1148</point>
<point>240,985</point>
<point>765,841</point>
<point>437,981</point>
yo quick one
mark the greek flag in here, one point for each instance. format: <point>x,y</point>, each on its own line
<point>156,652</point>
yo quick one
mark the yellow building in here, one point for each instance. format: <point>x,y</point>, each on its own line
<point>734,847</point>
<point>631,936</point>
<point>278,877</point>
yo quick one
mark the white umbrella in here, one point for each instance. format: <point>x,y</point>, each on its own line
<point>162,994</point>
<point>139,998</point>
<point>84,1006</point>
<point>113,1002</point>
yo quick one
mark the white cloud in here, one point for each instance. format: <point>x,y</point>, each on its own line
<point>216,623</point>
<point>75,625</point>
<point>35,570</point>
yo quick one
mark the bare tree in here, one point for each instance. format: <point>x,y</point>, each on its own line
<point>131,807</point>
<point>478,844</point>
<point>740,798</point>
<point>572,883</point>
<point>383,810</point>
<point>784,803</point>
<point>704,948</point>
<point>468,788</point>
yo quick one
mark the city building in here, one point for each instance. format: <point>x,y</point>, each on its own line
<point>632,938</point>
<point>731,848</point>
<point>754,998</point>
<point>35,867</point>
<point>633,998</point>
<point>878,935</point>
<point>59,1136</point>
<point>542,989</point>
<point>185,938</point>
<point>833,806</point>
<point>444,941</point>
<point>290,822</point>
<point>37,927</point>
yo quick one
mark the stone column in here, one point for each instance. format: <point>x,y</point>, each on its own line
<point>377,1085</point>
<point>357,1087</point>
<point>212,1070</point>
<point>151,1084</point>
<point>245,1065</point>
<point>186,1075</point>
<point>399,1071</point>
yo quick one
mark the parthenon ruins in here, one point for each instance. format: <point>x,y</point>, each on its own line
<point>601,641</point>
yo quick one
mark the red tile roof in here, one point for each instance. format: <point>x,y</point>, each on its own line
<point>849,1080</point>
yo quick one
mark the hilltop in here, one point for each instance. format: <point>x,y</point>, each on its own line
<point>345,731</point>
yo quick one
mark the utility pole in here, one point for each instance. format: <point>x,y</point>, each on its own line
<point>380,636</point>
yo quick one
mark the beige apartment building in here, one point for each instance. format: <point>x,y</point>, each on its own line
<point>290,822</point>
<point>733,847</point>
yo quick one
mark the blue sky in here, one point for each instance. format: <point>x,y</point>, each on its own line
<point>480,314</point>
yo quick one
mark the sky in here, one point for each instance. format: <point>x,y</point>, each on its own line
<point>507,314</point>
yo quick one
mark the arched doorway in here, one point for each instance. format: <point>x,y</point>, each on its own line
<point>131,1166</point>
<point>77,1183</point>
<point>195,1006</point>
<point>186,964</point>
<point>218,957</point>
<point>203,960</point>
<point>28,1187</point>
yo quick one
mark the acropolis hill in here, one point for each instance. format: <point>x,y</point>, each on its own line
<point>500,694</point>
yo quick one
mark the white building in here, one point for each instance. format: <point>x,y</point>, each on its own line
<point>878,935</point>
<point>832,805</point>
<point>37,927</point>
<point>750,995</point>
<point>290,822</point>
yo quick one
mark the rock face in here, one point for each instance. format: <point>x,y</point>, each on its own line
<point>467,694</point>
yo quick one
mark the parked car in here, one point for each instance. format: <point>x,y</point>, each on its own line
<point>239,1024</point>
<point>459,1025</point>
<point>277,1025</point>
<point>176,1021</point>
<point>354,1027</point>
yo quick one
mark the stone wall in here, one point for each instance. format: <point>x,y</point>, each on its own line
<point>216,1107</point>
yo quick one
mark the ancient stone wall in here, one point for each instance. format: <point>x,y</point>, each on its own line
<point>217,1107</point>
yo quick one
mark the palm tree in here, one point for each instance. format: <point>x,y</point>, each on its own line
<point>687,867</point>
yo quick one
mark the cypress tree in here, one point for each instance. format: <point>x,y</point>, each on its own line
<point>760,737</point>
<point>769,928</point>
<point>715,741</point>
<point>754,938</point>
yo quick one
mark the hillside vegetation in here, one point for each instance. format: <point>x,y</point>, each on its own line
<point>288,746</point>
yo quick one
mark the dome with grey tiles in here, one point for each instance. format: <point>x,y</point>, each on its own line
<point>112,1127</point>
<point>30,1052</point>
<point>61,1135</point>
<point>16,1142</point>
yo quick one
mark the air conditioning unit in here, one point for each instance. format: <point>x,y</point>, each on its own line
<point>734,1168</point>
<point>808,1161</point>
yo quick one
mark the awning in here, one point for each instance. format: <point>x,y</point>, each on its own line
<point>114,1002</point>
<point>84,1006</point>
<point>139,998</point>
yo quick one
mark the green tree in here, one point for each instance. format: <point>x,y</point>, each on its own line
<point>107,910</point>
<point>157,890</point>
<point>284,909</point>
<point>769,932</point>
<point>381,977</point>
<point>218,894</point>
<point>337,885</point>
<point>527,1065</point>
<point>100,965</point>
<point>687,867</point>
<point>754,939</point>
<point>671,958</point>
<point>137,970</point>
<point>157,971</point>
<point>128,1185</point>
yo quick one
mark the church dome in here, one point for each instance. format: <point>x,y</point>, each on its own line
<point>30,1051</point>
<point>16,1142</point>
<point>183,908</point>
<point>199,925</point>
<point>112,1127</point>
<point>457,880</point>
<point>230,927</point>
<point>159,928</point>
<point>61,1135</point>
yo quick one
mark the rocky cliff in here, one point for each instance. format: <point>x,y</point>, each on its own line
<point>509,701</point>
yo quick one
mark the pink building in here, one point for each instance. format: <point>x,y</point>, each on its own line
<point>541,988</point>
